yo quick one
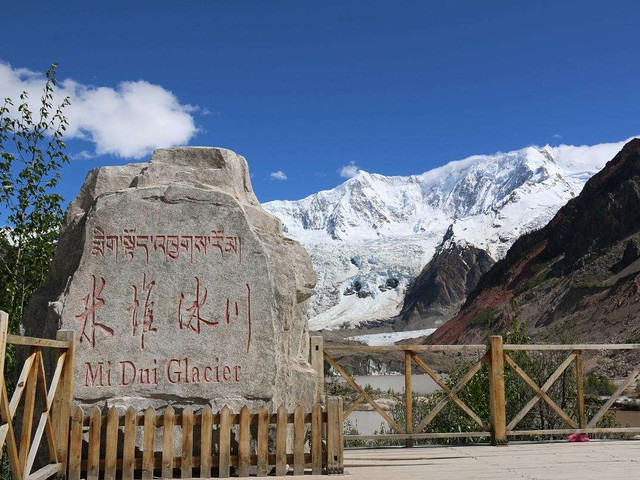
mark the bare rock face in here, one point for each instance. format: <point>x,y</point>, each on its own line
<point>181,289</point>
<point>443,284</point>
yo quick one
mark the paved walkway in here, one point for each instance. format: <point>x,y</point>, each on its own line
<point>602,460</point>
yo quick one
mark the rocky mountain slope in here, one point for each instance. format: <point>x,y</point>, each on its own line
<point>578,278</point>
<point>443,285</point>
<point>370,237</point>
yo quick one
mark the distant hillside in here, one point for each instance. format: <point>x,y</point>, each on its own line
<point>577,278</point>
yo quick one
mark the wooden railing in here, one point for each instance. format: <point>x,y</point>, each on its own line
<point>581,424</point>
<point>265,443</point>
<point>31,394</point>
<point>210,453</point>
<point>495,355</point>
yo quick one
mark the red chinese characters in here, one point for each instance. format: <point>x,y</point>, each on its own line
<point>191,317</point>
<point>92,302</point>
<point>144,314</point>
<point>235,311</point>
<point>193,312</point>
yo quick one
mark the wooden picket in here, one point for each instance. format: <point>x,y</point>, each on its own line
<point>227,443</point>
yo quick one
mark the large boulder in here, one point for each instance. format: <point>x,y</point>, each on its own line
<point>181,289</point>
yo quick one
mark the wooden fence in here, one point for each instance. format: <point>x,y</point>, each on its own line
<point>53,406</point>
<point>497,357</point>
<point>208,444</point>
<point>132,444</point>
<point>113,444</point>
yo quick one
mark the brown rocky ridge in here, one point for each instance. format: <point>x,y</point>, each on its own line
<point>577,279</point>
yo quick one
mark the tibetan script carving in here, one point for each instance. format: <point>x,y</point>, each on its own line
<point>124,246</point>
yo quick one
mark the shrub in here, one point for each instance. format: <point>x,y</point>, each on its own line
<point>601,387</point>
<point>486,319</point>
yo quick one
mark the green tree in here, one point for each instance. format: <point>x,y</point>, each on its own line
<point>32,153</point>
<point>31,156</point>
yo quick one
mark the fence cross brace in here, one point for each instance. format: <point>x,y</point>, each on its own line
<point>463,406</point>
<point>367,397</point>
<point>355,405</point>
<point>541,393</point>
<point>596,418</point>
<point>453,392</point>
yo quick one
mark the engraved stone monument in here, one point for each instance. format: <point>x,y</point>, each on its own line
<point>181,289</point>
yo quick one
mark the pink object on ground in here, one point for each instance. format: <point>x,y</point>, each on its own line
<point>578,437</point>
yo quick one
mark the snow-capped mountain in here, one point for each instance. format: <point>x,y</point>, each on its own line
<point>369,237</point>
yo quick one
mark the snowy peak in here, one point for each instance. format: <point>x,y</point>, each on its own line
<point>594,241</point>
<point>395,223</point>
<point>369,205</point>
<point>358,209</point>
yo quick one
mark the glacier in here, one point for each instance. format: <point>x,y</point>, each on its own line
<point>390,338</point>
<point>369,237</point>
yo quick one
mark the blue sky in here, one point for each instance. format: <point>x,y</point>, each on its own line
<point>305,88</point>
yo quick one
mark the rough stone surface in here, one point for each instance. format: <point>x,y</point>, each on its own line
<point>181,289</point>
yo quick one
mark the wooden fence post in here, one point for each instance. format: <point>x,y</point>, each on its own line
<point>317,362</point>
<point>167,442</point>
<point>129,445</point>
<point>148,445</point>
<point>62,402</point>
<point>111,444</point>
<point>316,440</point>
<point>4,329</point>
<point>281,441</point>
<point>408,395</point>
<point>5,414</point>
<point>497,402</point>
<point>580,387</point>
<point>186,463</point>
<point>244,442</point>
<point>206,437</point>
<point>75,445</point>
<point>262,468</point>
<point>335,464</point>
<point>93,450</point>
<point>224,445</point>
<point>299,438</point>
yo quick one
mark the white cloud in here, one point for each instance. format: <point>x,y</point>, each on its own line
<point>349,170</point>
<point>127,121</point>
<point>279,175</point>
<point>83,155</point>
